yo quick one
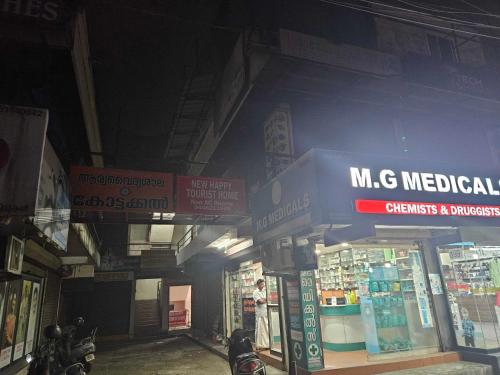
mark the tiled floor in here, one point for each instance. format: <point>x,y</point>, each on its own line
<point>357,362</point>
<point>456,368</point>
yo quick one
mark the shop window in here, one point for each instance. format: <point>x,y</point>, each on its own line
<point>375,298</point>
<point>19,318</point>
<point>472,279</point>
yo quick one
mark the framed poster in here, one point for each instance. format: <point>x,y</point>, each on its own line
<point>14,255</point>
<point>9,326</point>
<point>3,291</point>
<point>33,317</point>
<point>22,320</point>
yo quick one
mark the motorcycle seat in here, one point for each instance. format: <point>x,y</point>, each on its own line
<point>246,356</point>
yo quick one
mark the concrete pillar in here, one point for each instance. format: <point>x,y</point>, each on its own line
<point>440,302</point>
<point>132,310</point>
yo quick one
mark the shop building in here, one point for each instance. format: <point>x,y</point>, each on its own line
<point>301,83</point>
<point>403,261</point>
<point>46,106</point>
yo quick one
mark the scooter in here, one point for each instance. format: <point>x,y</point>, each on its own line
<point>242,359</point>
<point>47,357</point>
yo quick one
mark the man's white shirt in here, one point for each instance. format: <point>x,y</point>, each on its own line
<point>260,309</point>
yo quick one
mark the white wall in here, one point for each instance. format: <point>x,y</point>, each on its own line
<point>181,293</point>
<point>146,289</point>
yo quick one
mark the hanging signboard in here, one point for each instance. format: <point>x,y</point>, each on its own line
<point>117,190</point>
<point>210,196</point>
<point>287,203</point>
<point>52,213</point>
<point>278,141</point>
<point>22,139</point>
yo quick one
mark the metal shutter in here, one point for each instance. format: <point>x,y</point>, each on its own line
<point>51,299</point>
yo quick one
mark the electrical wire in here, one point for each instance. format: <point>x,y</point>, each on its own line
<point>353,7</point>
<point>443,18</point>
<point>475,7</point>
<point>454,11</point>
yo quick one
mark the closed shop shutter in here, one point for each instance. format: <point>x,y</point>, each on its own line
<point>51,299</point>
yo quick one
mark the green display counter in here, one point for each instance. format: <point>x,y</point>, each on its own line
<point>342,328</point>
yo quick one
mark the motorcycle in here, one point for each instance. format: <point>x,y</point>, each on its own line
<point>82,351</point>
<point>47,357</point>
<point>242,359</point>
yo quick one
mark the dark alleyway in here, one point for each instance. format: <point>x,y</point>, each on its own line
<point>173,356</point>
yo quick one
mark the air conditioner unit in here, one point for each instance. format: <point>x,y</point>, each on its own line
<point>14,253</point>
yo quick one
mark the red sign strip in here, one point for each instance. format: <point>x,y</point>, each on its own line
<point>425,208</point>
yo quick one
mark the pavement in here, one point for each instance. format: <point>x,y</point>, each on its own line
<point>164,356</point>
<point>454,368</point>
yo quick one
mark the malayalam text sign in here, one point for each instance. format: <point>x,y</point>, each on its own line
<point>116,190</point>
<point>210,196</point>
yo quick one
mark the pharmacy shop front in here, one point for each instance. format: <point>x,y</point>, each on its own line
<point>404,257</point>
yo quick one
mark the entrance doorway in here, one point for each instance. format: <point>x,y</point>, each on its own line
<point>147,314</point>
<point>375,300</point>
<point>179,307</point>
<point>274,315</point>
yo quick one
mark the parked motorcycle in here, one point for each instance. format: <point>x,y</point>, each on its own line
<point>82,351</point>
<point>242,359</point>
<point>47,359</point>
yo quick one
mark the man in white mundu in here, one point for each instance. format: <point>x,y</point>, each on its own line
<point>261,323</point>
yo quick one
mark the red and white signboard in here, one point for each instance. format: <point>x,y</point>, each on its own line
<point>118,190</point>
<point>210,196</point>
<point>383,207</point>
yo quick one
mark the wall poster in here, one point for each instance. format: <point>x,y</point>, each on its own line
<point>3,292</point>
<point>22,320</point>
<point>33,317</point>
<point>424,307</point>
<point>9,327</point>
<point>436,286</point>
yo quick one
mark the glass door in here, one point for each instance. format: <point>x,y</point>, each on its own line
<point>471,276</point>
<point>273,311</point>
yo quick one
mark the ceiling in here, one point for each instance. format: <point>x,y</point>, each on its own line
<point>155,64</point>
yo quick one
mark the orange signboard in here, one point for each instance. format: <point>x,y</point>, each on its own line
<point>117,190</point>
